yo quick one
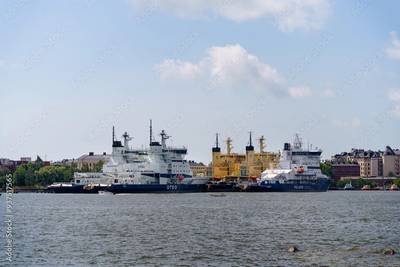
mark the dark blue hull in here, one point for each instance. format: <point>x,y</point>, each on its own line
<point>156,188</point>
<point>75,189</point>
<point>319,186</point>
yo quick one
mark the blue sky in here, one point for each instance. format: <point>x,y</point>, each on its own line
<point>69,70</point>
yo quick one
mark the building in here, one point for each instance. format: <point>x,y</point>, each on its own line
<point>91,162</point>
<point>200,169</point>
<point>391,162</point>
<point>345,170</point>
<point>370,162</point>
<point>249,165</point>
<point>12,165</point>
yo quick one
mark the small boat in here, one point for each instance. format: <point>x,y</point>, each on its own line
<point>348,186</point>
<point>366,187</point>
<point>394,187</point>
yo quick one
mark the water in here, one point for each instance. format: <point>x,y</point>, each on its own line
<point>330,229</point>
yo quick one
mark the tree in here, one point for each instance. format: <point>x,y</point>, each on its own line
<point>98,166</point>
<point>326,168</point>
<point>51,174</point>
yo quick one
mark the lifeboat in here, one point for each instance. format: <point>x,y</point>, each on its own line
<point>300,170</point>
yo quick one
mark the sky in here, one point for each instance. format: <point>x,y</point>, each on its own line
<point>70,70</point>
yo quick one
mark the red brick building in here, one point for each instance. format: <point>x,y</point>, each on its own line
<point>345,170</point>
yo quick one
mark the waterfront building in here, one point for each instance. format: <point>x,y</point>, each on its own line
<point>91,161</point>
<point>249,165</point>
<point>345,170</point>
<point>12,165</point>
<point>200,169</point>
<point>391,162</point>
<point>370,162</point>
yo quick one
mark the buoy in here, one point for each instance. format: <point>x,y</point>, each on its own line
<point>389,251</point>
<point>293,249</point>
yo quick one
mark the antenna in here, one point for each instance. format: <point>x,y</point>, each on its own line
<point>251,142</point>
<point>113,134</point>
<point>151,131</point>
<point>216,140</point>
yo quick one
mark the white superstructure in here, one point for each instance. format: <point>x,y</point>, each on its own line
<point>159,164</point>
<point>295,164</point>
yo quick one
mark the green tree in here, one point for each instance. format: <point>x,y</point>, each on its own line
<point>397,182</point>
<point>51,174</point>
<point>98,166</point>
<point>326,168</point>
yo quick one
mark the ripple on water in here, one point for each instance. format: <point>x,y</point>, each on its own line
<point>334,228</point>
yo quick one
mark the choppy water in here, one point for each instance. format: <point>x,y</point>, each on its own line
<point>330,229</point>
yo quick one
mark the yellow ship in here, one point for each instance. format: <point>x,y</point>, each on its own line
<point>233,166</point>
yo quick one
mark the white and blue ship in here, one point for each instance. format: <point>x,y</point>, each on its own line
<point>159,168</point>
<point>298,171</point>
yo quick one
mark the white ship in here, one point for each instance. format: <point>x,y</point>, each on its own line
<point>158,165</point>
<point>298,170</point>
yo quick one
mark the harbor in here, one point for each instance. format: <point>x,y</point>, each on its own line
<point>187,133</point>
<point>161,168</point>
<point>164,169</point>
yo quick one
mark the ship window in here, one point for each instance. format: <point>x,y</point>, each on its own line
<point>115,181</point>
<point>78,181</point>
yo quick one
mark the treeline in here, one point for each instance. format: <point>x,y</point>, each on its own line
<point>326,168</point>
<point>35,174</point>
<point>359,183</point>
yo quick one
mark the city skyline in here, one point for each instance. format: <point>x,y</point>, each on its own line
<point>71,70</point>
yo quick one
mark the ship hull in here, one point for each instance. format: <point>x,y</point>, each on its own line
<point>75,189</point>
<point>321,186</point>
<point>156,188</point>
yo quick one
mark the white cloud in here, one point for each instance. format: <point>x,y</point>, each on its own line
<point>393,50</point>
<point>353,123</point>
<point>394,95</point>
<point>177,69</point>
<point>300,91</point>
<point>288,14</point>
<point>396,111</point>
<point>229,66</point>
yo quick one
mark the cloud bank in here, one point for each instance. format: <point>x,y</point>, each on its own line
<point>393,50</point>
<point>394,96</point>
<point>300,91</point>
<point>287,14</point>
<point>229,66</point>
<point>233,67</point>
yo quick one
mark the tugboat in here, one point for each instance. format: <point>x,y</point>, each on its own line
<point>394,187</point>
<point>299,171</point>
<point>348,186</point>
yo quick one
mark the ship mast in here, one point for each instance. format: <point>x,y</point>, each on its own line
<point>164,137</point>
<point>262,143</point>
<point>151,131</point>
<point>113,134</point>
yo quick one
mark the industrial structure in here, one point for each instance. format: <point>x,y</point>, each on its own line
<point>229,165</point>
